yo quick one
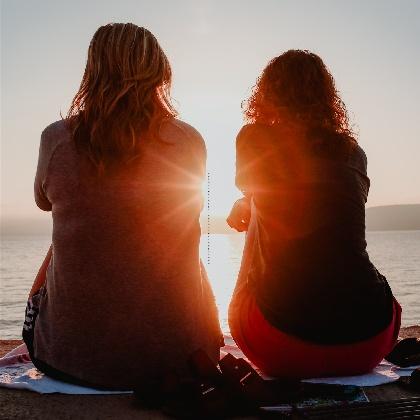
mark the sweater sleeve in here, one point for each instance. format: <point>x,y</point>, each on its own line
<point>44,157</point>
<point>200,157</point>
<point>359,162</point>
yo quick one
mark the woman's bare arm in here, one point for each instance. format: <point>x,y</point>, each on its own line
<point>42,274</point>
<point>240,214</point>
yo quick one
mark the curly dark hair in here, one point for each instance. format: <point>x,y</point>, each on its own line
<point>297,84</point>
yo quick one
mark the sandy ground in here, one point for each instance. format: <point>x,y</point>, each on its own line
<point>16,404</point>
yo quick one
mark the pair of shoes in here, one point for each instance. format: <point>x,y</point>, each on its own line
<point>222,387</point>
<point>206,396</point>
<point>180,398</point>
<point>232,388</point>
<point>251,387</point>
<point>238,388</point>
<point>405,353</point>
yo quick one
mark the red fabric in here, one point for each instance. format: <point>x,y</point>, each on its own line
<point>282,355</point>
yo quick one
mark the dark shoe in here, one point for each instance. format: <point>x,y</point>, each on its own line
<point>405,353</point>
<point>254,391</point>
<point>233,390</point>
<point>411,382</point>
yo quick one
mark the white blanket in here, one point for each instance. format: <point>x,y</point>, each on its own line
<point>17,371</point>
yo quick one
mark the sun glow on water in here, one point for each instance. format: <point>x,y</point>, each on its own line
<point>222,265</point>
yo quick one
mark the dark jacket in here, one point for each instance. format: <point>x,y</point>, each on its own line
<point>310,271</point>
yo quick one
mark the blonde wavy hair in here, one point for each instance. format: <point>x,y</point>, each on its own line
<point>123,96</point>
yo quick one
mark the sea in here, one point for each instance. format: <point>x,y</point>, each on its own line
<point>395,253</point>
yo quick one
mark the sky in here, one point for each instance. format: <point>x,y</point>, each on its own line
<point>217,49</point>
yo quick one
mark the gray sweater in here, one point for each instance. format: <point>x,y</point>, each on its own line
<point>127,296</point>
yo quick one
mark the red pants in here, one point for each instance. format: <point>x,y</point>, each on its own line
<point>282,355</point>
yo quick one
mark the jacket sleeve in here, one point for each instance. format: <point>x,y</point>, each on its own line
<point>246,161</point>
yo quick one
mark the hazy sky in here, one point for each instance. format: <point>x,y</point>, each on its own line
<point>217,49</point>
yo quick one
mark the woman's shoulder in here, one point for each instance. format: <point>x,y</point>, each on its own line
<point>56,127</point>
<point>349,151</point>
<point>253,136</point>
<point>57,131</point>
<point>54,134</point>
<point>358,157</point>
<point>251,130</point>
<point>176,131</point>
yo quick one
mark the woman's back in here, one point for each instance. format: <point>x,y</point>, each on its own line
<point>126,297</point>
<point>311,273</point>
<point>308,302</point>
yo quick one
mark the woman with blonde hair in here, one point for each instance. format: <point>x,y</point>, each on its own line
<point>122,297</point>
<point>308,301</point>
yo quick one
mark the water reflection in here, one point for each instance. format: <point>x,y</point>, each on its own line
<point>396,254</point>
<point>222,265</point>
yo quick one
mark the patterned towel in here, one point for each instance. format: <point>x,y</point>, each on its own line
<point>17,371</point>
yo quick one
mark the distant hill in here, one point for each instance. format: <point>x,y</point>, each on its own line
<point>397,217</point>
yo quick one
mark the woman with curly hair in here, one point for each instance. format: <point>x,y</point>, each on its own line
<point>308,302</point>
<point>122,297</point>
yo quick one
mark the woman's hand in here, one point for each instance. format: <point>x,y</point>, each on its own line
<point>239,215</point>
<point>42,274</point>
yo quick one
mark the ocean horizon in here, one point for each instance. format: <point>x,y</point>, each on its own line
<point>396,254</point>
